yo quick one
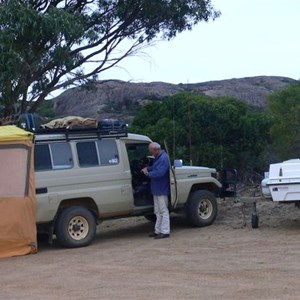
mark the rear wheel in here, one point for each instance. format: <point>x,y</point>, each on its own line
<point>75,227</point>
<point>202,208</point>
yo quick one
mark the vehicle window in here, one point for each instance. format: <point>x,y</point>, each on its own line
<point>139,157</point>
<point>42,158</point>
<point>87,154</point>
<point>53,156</point>
<point>108,152</point>
<point>61,156</point>
<point>137,151</point>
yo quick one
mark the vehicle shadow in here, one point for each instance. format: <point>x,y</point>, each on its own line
<point>120,229</point>
<point>134,228</point>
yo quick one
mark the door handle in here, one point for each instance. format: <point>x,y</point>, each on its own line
<point>42,190</point>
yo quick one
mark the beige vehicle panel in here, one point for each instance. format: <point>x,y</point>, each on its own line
<point>184,186</point>
<point>108,186</point>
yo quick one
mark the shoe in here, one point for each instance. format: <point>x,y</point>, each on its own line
<point>153,234</point>
<point>162,236</point>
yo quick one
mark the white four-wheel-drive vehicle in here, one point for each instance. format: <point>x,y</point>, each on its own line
<point>85,176</point>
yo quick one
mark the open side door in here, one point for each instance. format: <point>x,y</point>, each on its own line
<point>173,183</point>
<point>173,189</point>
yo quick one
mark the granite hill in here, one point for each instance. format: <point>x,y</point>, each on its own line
<point>114,98</point>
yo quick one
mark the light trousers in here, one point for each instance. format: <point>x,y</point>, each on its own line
<point>162,224</point>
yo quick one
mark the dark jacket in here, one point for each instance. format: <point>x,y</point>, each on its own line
<point>159,175</point>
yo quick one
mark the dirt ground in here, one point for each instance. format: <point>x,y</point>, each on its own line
<point>227,260</point>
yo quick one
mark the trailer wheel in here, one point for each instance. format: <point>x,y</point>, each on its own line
<point>254,217</point>
<point>202,208</point>
<point>75,227</point>
<point>254,221</point>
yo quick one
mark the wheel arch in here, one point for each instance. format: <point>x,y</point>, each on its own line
<point>87,203</point>
<point>207,186</point>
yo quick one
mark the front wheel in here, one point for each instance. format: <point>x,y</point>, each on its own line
<point>75,227</point>
<point>202,208</point>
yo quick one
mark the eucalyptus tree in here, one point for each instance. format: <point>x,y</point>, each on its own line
<point>47,45</point>
<point>284,106</point>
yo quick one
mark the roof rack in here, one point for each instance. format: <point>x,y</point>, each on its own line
<point>106,129</point>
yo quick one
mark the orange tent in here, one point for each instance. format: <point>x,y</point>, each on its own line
<point>17,193</point>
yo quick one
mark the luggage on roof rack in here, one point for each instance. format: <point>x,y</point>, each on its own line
<point>111,124</point>
<point>103,129</point>
<point>71,122</point>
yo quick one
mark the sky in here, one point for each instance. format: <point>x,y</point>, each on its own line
<point>250,38</point>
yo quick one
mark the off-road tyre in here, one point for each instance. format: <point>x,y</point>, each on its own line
<point>202,208</point>
<point>75,227</point>
<point>254,221</point>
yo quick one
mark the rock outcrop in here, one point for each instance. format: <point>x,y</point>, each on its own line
<point>115,98</point>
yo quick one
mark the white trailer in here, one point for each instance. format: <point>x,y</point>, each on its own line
<point>282,182</point>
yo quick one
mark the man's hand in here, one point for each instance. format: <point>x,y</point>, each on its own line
<point>145,171</point>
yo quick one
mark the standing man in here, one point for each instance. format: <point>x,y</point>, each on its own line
<point>160,188</point>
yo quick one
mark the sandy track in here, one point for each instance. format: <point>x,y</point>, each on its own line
<point>228,260</point>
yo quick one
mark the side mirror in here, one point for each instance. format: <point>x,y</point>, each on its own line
<point>178,163</point>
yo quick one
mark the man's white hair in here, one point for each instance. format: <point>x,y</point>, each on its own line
<point>155,146</point>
